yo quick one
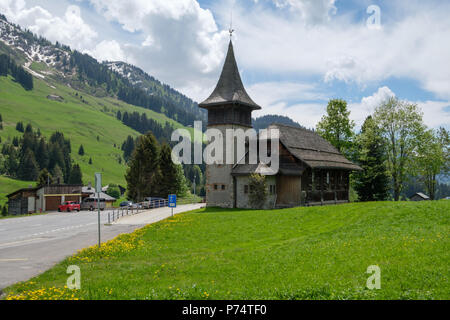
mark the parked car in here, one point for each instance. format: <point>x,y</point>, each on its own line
<point>69,206</point>
<point>126,204</point>
<point>92,204</point>
<point>154,202</point>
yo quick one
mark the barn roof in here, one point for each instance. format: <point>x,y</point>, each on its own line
<point>229,89</point>
<point>422,195</point>
<point>21,191</point>
<point>312,149</point>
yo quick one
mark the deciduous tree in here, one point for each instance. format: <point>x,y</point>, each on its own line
<point>401,125</point>
<point>336,126</point>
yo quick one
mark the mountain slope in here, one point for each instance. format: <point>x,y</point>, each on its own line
<point>81,120</point>
<point>84,103</point>
<point>82,72</point>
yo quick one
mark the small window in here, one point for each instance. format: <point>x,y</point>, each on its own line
<point>215,187</point>
<point>223,187</point>
<point>246,189</point>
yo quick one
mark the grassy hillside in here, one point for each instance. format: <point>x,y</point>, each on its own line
<point>80,119</point>
<point>302,253</point>
<point>9,185</point>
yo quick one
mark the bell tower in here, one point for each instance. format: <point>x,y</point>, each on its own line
<point>229,107</point>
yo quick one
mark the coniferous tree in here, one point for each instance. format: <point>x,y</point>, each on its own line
<point>42,156</point>
<point>143,174</point>
<point>371,184</point>
<point>76,176</point>
<point>172,178</point>
<point>19,127</point>
<point>90,160</point>
<point>81,150</point>
<point>29,128</point>
<point>44,178</point>
<point>28,167</point>
<point>127,148</point>
<point>57,174</point>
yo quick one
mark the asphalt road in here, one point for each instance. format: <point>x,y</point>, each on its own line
<point>30,245</point>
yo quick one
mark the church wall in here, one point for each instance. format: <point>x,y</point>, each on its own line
<point>242,200</point>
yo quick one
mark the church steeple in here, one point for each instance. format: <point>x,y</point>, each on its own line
<point>229,89</point>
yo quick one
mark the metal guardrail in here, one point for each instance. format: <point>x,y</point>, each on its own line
<point>115,213</point>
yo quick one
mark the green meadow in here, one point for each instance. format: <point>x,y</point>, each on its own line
<point>8,185</point>
<point>300,253</point>
<point>81,120</point>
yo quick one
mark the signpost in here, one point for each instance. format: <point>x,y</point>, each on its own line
<point>172,201</point>
<point>98,189</point>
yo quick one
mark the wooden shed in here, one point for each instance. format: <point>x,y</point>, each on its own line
<point>22,201</point>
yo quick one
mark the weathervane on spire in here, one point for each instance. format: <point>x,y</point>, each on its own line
<point>231,30</point>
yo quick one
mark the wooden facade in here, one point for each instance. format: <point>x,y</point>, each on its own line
<point>232,114</point>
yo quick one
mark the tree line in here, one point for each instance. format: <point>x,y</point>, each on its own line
<point>142,124</point>
<point>33,158</point>
<point>394,147</point>
<point>151,172</point>
<point>97,74</point>
<point>9,67</point>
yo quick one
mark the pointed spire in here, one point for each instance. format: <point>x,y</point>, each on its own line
<point>230,89</point>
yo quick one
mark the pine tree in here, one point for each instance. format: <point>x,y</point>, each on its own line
<point>28,167</point>
<point>127,148</point>
<point>19,127</point>
<point>90,160</point>
<point>371,184</point>
<point>172,178</point>
<point>29,128</point>
<point>57,174</point>
<point>44,178</point>
<point>143,174</point>
<point>81,150</point>
<point>42,156</point>
<point>76,176</point>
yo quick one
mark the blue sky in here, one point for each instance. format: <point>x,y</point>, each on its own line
<point>294,55</point>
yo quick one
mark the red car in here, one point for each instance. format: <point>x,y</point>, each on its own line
<point>69,206</point>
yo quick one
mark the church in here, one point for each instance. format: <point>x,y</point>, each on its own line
<point>311,171</point>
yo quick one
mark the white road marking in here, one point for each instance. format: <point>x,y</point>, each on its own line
<point>13,260</point>
<point>21,242</point>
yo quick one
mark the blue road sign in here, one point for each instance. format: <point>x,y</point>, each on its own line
<point>172,200</point>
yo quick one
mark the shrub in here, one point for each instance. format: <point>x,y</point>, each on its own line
<point>258,191</point>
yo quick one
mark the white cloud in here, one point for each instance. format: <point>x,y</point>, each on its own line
<point>108,51</point>
<point>181,43</point>
<point>360,111</point>
<point>70,29</point>
<point>412,46</point>
<point>312,11</point>
<point>283,98</point>
<point>434,112</point>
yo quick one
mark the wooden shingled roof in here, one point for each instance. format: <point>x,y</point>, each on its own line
<point>229,89</point>
<point>312,149</point>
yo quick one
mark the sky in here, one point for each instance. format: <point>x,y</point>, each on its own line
<point>294,55</point>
